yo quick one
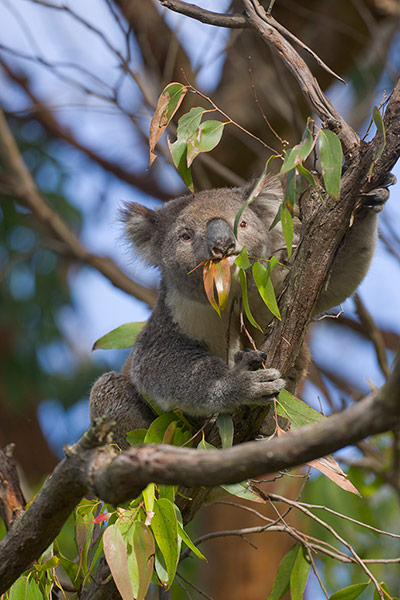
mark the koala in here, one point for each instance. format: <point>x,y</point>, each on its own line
<point>188,357</point>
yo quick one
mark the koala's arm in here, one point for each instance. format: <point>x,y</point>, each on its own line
<point>176,371</point>
<point>355,252</point>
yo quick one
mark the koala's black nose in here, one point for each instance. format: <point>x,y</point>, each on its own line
<point>220,239</point>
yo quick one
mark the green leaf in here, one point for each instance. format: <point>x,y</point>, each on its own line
<point>72,570</point>
<point>156,431</point>
<point>380,127</point>
<point>351,592</point>
<point>287,228</point>
<point>17,590</point>
<point>265,287</point>
<point>52,563</point>
<point>384,588</point>
<point>121,337</point>
<point>185,537</point>
<point>299,153</point>
<point>187,127</point>
<point>204,139</point>
<point>117,559</point>
<point>298,412</point>
<point>25,589</point>
<point>189,122</point>
<point>144,548</point>
<point>331,161</point>
<point>307,175</point>
<point>167,491</point>
<point>84,531</point>
<point>225,426</point>
<point>282,579</point>
<point>160,568</point>
<point>276,219</point>
<point>178,152</point>
<point>181,436</point>
<point>242,490</point>
<point>299,576</point>
<point>164,526</point>
<point>136,437</point>
<point>149,494</point>
<point>290,190</point>
<point>243,286</point>
<point>242,260</point>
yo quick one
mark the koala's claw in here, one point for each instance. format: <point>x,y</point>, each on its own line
<point>375,199</point>
<point>250,360</point>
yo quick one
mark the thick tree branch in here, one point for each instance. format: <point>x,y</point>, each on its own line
<point>312,92</point>
<point>21,185</point>
<point>117,478</point>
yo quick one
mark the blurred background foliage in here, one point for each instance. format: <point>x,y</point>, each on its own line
<point>79,82</point>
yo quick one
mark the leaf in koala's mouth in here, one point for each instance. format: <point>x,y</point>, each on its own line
<point>217,274</point>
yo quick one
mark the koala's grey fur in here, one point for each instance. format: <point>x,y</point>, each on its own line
<point>179,359</point>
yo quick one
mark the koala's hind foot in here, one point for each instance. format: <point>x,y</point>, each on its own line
<point>375,199</point>
<point>114,396</point>
<point>260,384</point>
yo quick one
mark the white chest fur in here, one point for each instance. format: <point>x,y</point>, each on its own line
<point>202,323</point>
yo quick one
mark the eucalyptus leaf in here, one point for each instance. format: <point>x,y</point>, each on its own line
<point>298,412</point>
<point>164,526</point>
<point>351,592</point>
<point>123,336</point>
<point>156,431</point>
<point>204,139</point>
<point>299,575</point>
<point>116,555</point>
<point>225,427</point>
<point>282,579</point>
<point>296,155</point>
<point>265,287</point>
<point>331,155</point>
<point>243,286</point>
<point>380,128</point>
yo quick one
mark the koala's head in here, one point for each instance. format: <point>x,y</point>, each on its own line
<point>192,229</point>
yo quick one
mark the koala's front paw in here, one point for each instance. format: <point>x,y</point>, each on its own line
<point>250,360</point>
<point>375,199</point>
<point>259,385</point>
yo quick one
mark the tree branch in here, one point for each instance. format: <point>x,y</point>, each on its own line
<point>312,92</point>
<point>206,16</point>
<point>21,185</point>
<point>12,501</point>
<point>117,478</point>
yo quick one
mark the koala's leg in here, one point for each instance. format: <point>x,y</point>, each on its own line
<point>356,251</point>
<point>113,395</point>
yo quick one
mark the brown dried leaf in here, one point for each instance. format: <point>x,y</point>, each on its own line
<point>222,281</point>
<point>208,281</point>
<point>218,274</point>
<point>330,468</point>
<point>168,103</point>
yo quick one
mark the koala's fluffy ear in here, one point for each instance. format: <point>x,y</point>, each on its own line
<point>141,228</point>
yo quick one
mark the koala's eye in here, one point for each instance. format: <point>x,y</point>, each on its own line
<point>186,237</point>
<point>243,224</point>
